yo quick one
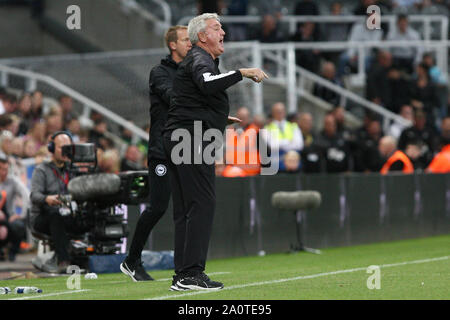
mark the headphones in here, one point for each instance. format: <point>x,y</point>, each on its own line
<point>51,144</point>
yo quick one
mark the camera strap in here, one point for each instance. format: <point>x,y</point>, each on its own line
<point>65,180</point>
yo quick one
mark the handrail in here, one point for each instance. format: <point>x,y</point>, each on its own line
<point>85,101</point>
<point>343,92</point>
<point>135,7</point>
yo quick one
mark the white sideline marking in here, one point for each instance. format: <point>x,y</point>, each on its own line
<point>50,294</point>
<point>317,275</point>
<point>168,279</point>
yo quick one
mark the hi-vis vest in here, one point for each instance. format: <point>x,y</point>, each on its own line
<point>287,134</point>
<point>441,161</point>
<point>242,150</point>
<point>2,199</point>
<point>398,155</point>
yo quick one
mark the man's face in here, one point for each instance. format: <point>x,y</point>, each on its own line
<point>183,44</point>
<point>213,37</point>
<point>4,166</point>
<point>278,111</point>
<point>403,25</point>
<point>60,141</point>
<point>306,122</point>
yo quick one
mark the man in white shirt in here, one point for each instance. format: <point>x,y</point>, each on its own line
<point>358,33</point>
<point>405,57</point>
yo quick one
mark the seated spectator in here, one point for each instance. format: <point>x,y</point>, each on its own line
<point>424,95</point>
<point>237,31</point>
<point>66,103</point>
<point>270,31</point>
<point>329,73</point>
<point>6,138</point>
<point>97,134</point>
<point>241,145</point>
<point>307,8</point>
<point>74,127</point>
<point>132,161</point>
<point>272,8</point>
<point>9,103</point>
<point>441,161</point>
<point>421,134</point>
<point>53,122</point>
<point>396,128</point>
<point>358,33</point>
<point>305,123</point>
<point>30,148</point>
<point>385,85</point>
<point>37,133</point>
<point>24,112</point>
<point>436,75</point>
<point>444,138</point>
<point>366,159</point>
<point>291,160</point>
<point>109,162</point>
<point>37,107</point>
<point>17,147</point>
<point>334,149</point>
<point>397,160</point>
<point>14,191</point>
<point>404,57</point>
<point>307,58</point>
<point>281,135</point>
<point>335,31</point>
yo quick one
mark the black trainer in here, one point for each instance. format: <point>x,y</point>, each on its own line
<point>135,271</point>
<point>199,282</point>
<point>175,286</point>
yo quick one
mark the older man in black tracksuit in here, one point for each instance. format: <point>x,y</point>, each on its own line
<point>198,95</point>
<point>160,85</point>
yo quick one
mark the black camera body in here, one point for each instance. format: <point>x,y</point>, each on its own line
<point>98,202</point>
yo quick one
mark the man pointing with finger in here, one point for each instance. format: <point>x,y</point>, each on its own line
<point>198,95</point>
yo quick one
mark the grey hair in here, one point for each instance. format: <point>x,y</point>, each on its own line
<point>198,24</point>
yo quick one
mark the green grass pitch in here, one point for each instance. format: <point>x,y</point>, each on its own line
<point>409,269</point>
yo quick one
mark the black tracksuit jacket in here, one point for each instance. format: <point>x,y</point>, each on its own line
<point>160,83</point>
<point>199,93</point>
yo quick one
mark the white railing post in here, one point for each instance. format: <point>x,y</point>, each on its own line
<point>426,29</point>
<point>3,78</point>
<point>30,84</point>
<point>291,79</point>
<point>257,87</point>
<point>361,63</point>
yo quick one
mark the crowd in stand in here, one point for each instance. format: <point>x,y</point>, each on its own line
<point>404,80</point>
<point>335,148</point>
<point>26,124</point>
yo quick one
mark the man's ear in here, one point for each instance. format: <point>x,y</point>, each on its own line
<point>202,36</point>
<point>172,45</point>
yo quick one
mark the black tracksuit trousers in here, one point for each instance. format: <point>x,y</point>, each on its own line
<point>193,194</point>
<point>159,201</point>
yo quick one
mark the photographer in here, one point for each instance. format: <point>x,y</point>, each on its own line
<point>50,179</point>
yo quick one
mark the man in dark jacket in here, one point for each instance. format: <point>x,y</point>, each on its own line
<point>160,84</point>
<point>198,95</point>
<point>50,179</point>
